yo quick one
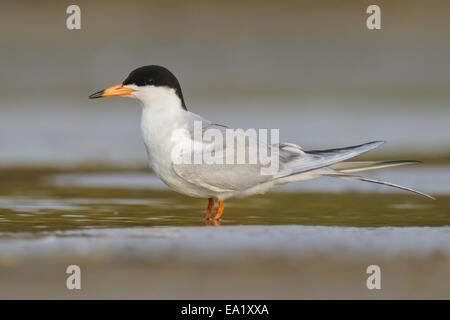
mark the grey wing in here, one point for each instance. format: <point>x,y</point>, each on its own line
<point>224,176</point>
<point>221,178</point>
<point>234,177</point>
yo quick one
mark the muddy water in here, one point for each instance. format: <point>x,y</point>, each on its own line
<point>126,233</point>
<point>30,203</point>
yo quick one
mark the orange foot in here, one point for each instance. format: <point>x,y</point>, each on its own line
<point>219,212</point>
<point>210,208</point>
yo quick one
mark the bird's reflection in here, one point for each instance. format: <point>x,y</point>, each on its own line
<point>216,222</point>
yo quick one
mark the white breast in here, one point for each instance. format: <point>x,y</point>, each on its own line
<point>161,129</point>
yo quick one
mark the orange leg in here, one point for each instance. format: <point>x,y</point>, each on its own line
<point>219,212</point>
<point>210,208</point>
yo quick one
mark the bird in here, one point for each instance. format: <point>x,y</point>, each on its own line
<point>168,130</point>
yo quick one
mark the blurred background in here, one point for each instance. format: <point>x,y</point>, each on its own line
<point>310,68</point>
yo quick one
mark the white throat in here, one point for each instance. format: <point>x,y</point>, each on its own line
<point>157,98</point>
<point>161,108</point>
<point>162,114</point>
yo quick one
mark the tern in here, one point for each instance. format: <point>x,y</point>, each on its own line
<point>164,113</point>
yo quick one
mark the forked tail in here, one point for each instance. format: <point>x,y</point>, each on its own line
<point>332,163</point>
<point>342,170</point>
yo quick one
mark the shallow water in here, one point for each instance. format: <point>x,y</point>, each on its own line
<point>126,230</point>
<point>48,200</point>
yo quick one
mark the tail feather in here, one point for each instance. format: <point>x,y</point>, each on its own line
<point>356,166</point>
<point>315,159</point>
<point>355,177</point>
<point>331,163</point>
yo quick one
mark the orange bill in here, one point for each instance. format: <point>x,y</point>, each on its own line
<point>118,90</point>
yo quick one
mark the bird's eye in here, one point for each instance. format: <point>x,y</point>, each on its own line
<point>150,81</point>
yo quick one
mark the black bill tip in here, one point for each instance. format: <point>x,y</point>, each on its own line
<point>97,95</point>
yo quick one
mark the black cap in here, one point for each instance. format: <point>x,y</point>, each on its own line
<point>155,76</point>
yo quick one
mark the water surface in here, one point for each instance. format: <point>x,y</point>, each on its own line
<point>46,200</point>
<point>126,230</point>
